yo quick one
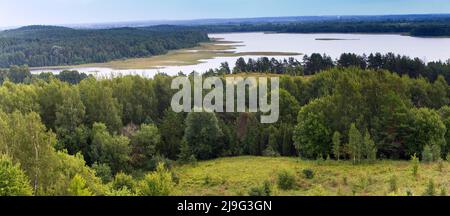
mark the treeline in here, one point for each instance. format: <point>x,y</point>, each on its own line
<point>107,137</point>
<point>22,74</point>
<point>363,114</point>
<point>38,46</point>
<point>310,65</point>
<point>437,27</point>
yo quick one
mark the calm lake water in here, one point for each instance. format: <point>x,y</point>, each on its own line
<point>427,49</point>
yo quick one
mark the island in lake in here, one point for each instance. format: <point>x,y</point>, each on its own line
<point>333,39</point>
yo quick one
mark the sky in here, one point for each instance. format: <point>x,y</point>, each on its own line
<point>54,12</point>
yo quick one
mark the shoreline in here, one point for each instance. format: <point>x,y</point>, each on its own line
<point>183,57</point>
<point>217,47</point>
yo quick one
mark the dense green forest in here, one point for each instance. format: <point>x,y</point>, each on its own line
<point>38,46</point>
<point>72,134</point>
<point>420,28</point>
<point>310,65</point>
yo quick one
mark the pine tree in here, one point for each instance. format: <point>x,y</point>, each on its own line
<point>186,156</point>
<point>202,134</point>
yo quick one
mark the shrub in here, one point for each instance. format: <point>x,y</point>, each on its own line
<point>213,181</point>
<point>175,178</point>
<point>264,190</point>
<point>77,187</point>
<point>427,154</point>
<point>431,189</point>
<point>440,165</point>
<point>13,181</point>
<point>123,181</point>
<point>415,163</point>
<point>308,173</point>
<point>393,184</point>
<point>124,192</point>
<point>448,157</point>
<point>443,191</point>
<point>409,193</point>
<point>158,183</point>
<point>320,160</point>
<point>345,180</point>
<point>363,183</point>
<point>103,171</point>
<point>207,180</point>
<point>270,152</point>
<point>158,159</point>
<point>286,181</point>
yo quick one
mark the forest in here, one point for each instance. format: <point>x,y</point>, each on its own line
<point>412,28</point>
<point>420,26</point>
<point>38,46</point>
<point>312,64</point>
<point>72,134</point>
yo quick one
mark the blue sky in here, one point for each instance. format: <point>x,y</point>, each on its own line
<point>26,12</point>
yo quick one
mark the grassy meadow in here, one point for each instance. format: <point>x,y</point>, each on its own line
<point>236,176</point>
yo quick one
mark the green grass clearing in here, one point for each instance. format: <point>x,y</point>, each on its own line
<point>235,176</point>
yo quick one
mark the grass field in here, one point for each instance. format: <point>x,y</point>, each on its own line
<point>235,176</point>
<point>180,57</point>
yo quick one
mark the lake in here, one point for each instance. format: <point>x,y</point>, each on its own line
<point>427,49</point>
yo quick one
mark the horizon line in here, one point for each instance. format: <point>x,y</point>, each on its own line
<point>217,18</point>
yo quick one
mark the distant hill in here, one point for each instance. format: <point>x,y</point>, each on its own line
<point>259,20</point>
<point>426,25</point>
<point>432,25</point>
<point>38,46</point>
